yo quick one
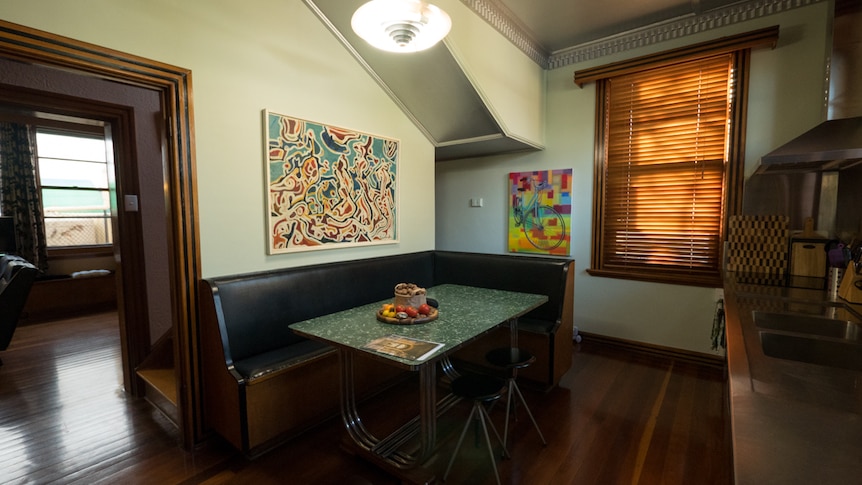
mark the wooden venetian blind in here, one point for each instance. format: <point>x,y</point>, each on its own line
<point>666,147</point>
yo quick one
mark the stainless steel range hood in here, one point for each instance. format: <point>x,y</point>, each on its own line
<point>835,144</point>
<point>831,145</point>
<point>811,175</point>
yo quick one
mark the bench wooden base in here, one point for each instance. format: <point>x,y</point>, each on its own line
<point>66,297</point>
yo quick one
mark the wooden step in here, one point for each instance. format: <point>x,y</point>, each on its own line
<point>161,390</point>
<point>163,381</point>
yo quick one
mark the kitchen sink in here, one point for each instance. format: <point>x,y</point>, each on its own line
<point>845,355</point>
<point>811,339</point>
<point>809,324</point>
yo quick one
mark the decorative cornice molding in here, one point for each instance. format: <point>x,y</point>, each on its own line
<point>500,19</point>
<point>645,36</point>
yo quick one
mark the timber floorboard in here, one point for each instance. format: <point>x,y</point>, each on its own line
<point>618,417</point>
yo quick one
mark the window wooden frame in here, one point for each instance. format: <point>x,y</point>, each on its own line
<point>79,252</point>
<point>64,125</point>
<point>64,128</point>
<point>705,267</point>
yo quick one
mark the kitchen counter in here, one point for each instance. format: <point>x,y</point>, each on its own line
<point>792,422</point>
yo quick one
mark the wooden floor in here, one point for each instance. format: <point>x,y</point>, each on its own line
<point>617,418</point>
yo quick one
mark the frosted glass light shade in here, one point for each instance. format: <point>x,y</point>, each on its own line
<point>401,25</point>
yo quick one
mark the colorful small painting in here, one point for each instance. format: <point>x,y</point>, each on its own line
<point>328,187</point>
<point>540,210</point>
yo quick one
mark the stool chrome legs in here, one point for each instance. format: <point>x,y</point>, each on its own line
<point>513,389</point>
<point>483,418</point>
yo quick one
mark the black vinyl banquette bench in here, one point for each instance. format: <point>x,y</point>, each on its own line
<point>263,383</point>
<point>16,279</point>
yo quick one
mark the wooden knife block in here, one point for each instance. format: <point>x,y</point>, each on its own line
<point>848,289</point>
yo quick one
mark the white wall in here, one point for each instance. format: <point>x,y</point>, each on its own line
<point>786,91</point>
<point>508,81</point>
<point>246,57</point>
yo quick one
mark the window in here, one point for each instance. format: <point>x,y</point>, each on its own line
<point>669,144</point>
<point>73,177</point>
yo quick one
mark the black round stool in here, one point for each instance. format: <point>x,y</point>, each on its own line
<point>512,359</point>
<point>480,389</point>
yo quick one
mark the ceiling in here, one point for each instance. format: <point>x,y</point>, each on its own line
<point>435,92</point>
<point>559,24</point>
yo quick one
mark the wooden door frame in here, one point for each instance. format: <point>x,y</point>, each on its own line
<point>30,104</point>
<point>42,48</point>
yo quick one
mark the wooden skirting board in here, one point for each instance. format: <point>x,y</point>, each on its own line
<point>699,358</point>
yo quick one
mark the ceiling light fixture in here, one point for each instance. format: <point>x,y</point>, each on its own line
<point>401,25</point>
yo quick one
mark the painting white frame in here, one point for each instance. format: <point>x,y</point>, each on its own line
<point>328,187</point>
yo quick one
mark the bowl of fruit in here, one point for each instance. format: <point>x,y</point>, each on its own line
<point>410,307</point>
<point>406,315</point>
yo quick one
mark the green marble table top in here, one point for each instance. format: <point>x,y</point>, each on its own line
<point>465,312</point>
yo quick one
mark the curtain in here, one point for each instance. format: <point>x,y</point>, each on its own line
<point>19,192</point>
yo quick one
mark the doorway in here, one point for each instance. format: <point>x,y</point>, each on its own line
<point>148,106</point>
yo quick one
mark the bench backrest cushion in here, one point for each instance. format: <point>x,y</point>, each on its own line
<point>255,309</point>
<point>16,280</point>
<point>526,274</point>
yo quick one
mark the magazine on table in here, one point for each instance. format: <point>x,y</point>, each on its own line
<point>404,347</point>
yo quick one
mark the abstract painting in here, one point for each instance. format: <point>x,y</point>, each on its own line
<point>540,209</point>
<point>328,187</point>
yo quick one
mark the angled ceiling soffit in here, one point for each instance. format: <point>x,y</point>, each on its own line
<point>429,86</point>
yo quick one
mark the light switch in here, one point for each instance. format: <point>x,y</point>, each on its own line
<point>476,202</point>
<point>130,203</point>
